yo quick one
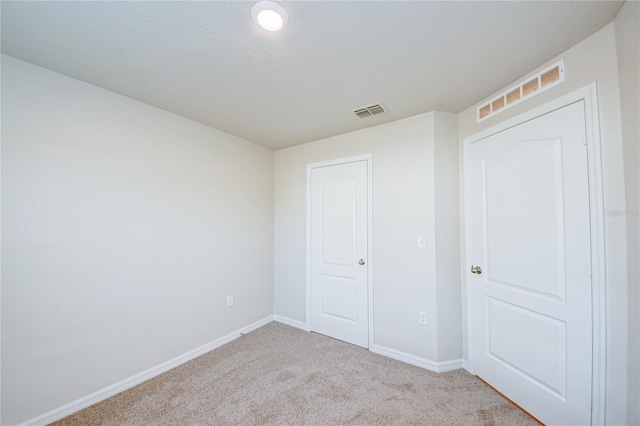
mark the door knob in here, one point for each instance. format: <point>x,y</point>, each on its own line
<point>476,270</point>
<point>361,262</point>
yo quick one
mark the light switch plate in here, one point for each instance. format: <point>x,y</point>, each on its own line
<point>422,242</point>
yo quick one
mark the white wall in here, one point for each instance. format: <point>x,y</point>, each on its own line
<point>404,196</point>
<point>595,59</point>
<point>627,30</point>
<point>124,228</point>
<point>447,244</point>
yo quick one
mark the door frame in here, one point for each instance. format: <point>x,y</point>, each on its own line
<point>346,160</point>
<point>589,95</point>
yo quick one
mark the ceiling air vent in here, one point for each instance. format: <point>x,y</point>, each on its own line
<point>370,110</point>
<point>545,79</point>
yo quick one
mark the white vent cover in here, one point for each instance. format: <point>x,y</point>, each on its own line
<point>369,110</point>
<point>545,79</point>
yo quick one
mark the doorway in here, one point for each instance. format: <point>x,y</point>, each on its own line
<point>532,294</point>
<point>339,249</point>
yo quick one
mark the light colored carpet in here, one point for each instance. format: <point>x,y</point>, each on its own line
<point>282,375</point>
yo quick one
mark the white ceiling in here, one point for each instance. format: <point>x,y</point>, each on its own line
<point>208,61</point>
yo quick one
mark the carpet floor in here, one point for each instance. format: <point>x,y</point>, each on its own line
<point>281,375</point>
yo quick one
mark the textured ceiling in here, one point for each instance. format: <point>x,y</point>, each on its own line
<point>209,62</point>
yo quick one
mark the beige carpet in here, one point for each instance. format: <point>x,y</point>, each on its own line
<point>282,375</point>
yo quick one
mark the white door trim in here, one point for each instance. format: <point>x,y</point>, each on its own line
<point>369,159</point>
<point>589,95</point>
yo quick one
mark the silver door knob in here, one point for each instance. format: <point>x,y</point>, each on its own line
<point>361,262</point>
<point>476,270</point>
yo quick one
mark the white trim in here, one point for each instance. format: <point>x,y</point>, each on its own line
<point>466,288</point>
<point>464,300</point>
<point>589,95</point>
<point>370,244</point>
<point>598,256</point>
<point>290,322</point>
<point>343,160</point>
<point>369,159</point>
<point>438,367</point>
<point>102,394</point>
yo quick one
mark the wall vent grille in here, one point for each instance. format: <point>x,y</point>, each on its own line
<point>545,79</point>
<point>369,110</point>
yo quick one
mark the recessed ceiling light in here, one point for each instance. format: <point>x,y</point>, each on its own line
<point>269,15</point>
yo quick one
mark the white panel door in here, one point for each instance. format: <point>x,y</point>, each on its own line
<point>528,210</point>
<point>339,252</point>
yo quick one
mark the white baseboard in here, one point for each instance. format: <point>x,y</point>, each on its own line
<point>290,322</point>
<point>84,402</point>
<point>465,365</point>
<point>438,367</point>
